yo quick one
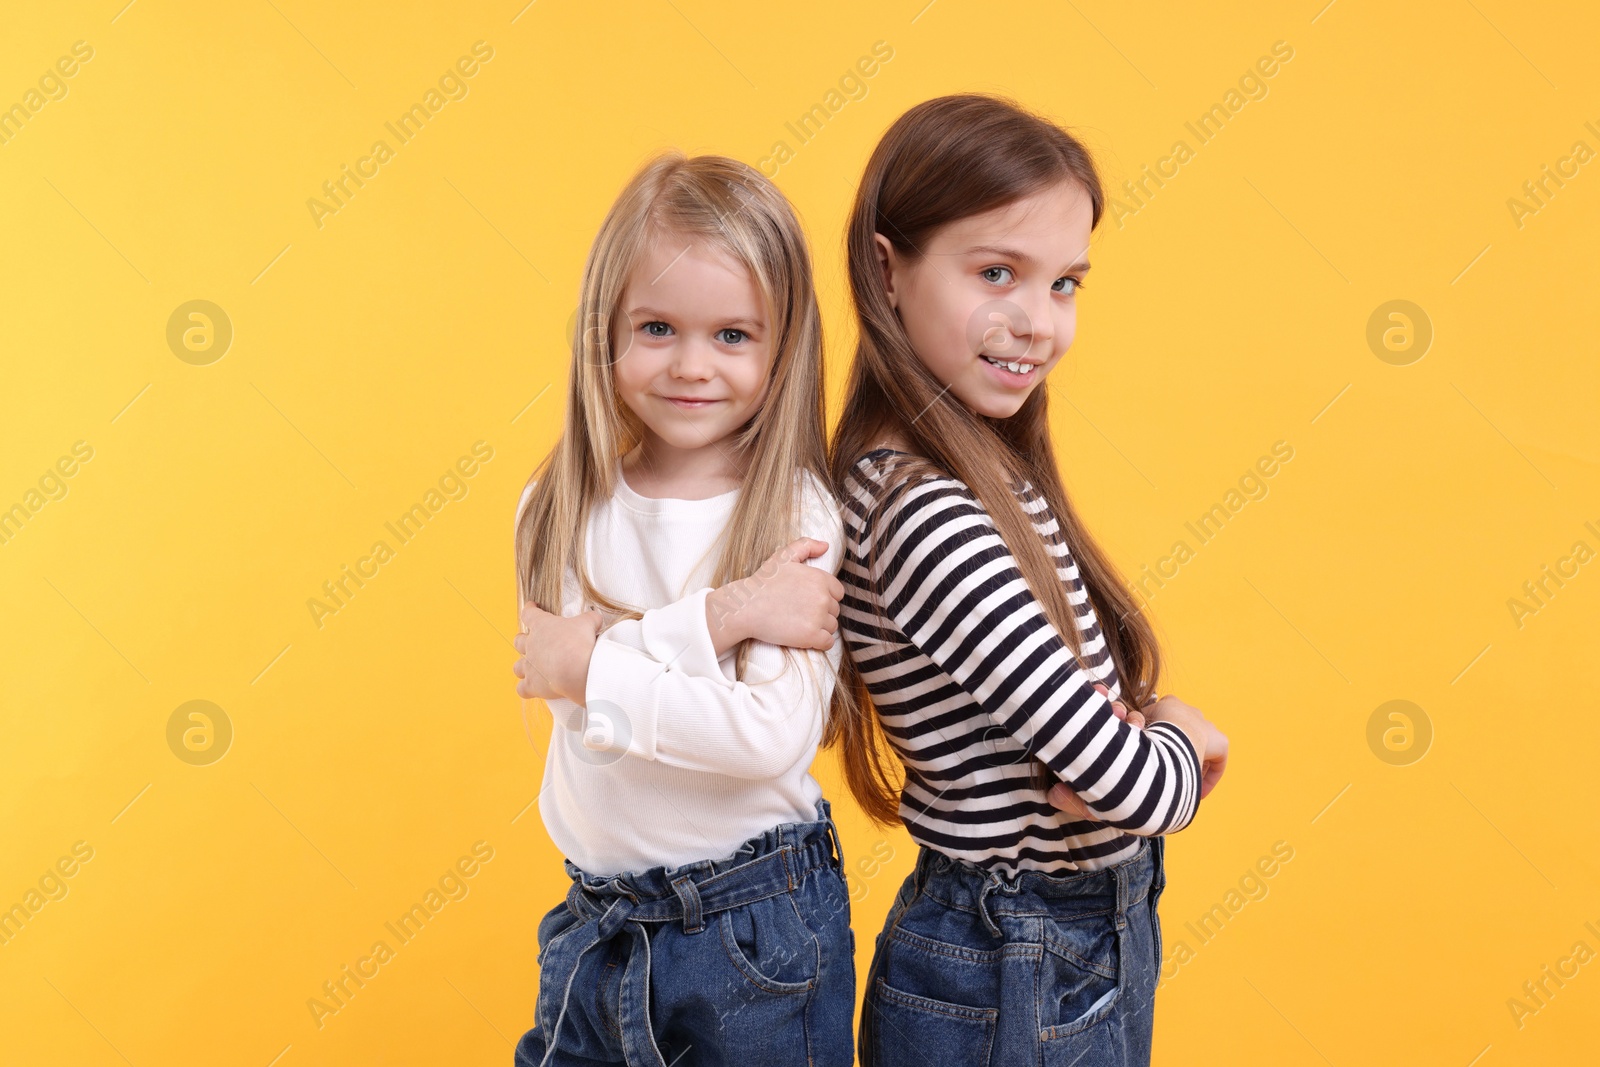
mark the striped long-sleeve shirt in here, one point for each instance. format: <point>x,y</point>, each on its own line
<point>970,679</point>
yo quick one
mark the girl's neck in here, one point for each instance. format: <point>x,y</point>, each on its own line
<point>657,469</point>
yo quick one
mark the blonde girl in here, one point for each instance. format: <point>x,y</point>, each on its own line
<point>984,624</point>
<point>676,554</point>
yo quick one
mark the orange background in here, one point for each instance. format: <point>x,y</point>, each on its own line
<point>372,347</point>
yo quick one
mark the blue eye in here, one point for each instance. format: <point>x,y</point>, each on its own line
<point>737,336</point>
<point>649,328</point>
<point>990,270</point>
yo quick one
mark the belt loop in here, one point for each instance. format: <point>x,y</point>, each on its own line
<point>989,886</point>
<point>689,896</point>
<point>1121,871</point>
<point>838,846</point>
<point>923,870</point>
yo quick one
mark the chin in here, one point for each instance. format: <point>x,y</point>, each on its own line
<point>997,407</point>
<point>688,438</point>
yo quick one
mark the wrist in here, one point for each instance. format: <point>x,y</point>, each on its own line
<point>1193,728</point>
<point>574,681</point>
<point>725,615</point>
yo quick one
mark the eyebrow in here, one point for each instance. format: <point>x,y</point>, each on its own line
<point>724,324</point>
<point>1018,255</point>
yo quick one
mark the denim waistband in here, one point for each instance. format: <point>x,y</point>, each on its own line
<point>772,862</point>
<point>960,884</point>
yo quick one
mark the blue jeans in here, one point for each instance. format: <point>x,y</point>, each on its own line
<point>975,968</point>
<point>738,961</point>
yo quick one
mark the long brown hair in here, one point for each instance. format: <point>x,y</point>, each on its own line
<point>944,160</point>
<point>731,206</point>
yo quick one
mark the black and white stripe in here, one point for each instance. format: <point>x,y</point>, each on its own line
<point>970,679</point>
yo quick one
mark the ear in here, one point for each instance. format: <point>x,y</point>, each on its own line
<point>888,262</point>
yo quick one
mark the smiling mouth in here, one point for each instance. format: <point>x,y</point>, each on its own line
<point>1019,368</point>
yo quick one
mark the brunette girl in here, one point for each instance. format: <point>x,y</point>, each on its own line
<point>990,631</point>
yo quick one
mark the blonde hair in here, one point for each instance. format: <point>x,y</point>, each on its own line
<point>732,207</point>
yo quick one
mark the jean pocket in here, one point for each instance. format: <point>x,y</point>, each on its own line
<point>771,946</point>
<point>1080,973</point>
<point>556,961</point>
<point>823,901</point>
<point>914,1031</point>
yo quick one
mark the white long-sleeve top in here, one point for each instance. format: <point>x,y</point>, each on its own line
<point>670,759</point>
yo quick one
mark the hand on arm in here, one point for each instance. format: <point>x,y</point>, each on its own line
<point>663,673</point>
<point>1210,745</point>
<point>555,653</point>
<point>952,586</point>
<point>785,602</point>
<point>1062,795</point>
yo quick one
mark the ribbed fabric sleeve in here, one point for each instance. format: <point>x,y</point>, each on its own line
<point>671,759</point>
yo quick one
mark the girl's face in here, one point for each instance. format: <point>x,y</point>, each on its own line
<point>694,364</point>
<point>996,287</point>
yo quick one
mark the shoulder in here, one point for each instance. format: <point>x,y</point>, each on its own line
<point>821,517</point>
<point>885,490</point>
<point>816,496</point>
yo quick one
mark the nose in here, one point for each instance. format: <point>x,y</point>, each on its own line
<point>1040,324</point>
<point>691,361</point>
<point>1021,327</point>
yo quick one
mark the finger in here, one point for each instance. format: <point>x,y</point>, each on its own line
<point>538,685</point>
<point>1216,769</point>
<point>1136,718</point>
<point>1119,710</point>
<point>799,550</point>
<point>1069,803</point>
